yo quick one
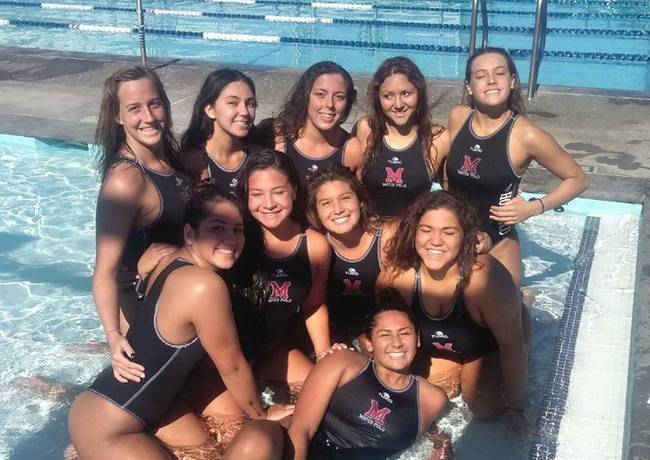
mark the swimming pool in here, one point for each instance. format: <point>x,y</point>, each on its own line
<point>48,322</point>
<point>590,44</point>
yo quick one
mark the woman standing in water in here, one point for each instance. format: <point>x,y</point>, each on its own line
<point>215,144</point>
<point>140,202</point>
<point>401,145</point>
<point>339,207</point>
<point>475,332</point>
<point>186,313</point>
<point>297,261</point>
<point>493,145</point>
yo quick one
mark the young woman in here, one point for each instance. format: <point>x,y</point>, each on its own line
<point>140,202</point>
<point>339,206</point>
<point>186,313</point>
<point>297,261</point>
<point>475,332</point>
<point>308,128</point>
<point>215,144</point>
<point>401,145</point>
<point>493,145</point>
<point>355,407</point>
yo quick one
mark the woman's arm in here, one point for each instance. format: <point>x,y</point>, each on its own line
<point>208,302</point>
<point>315,308</point>
<point>352,155</point>
<point>493,293</point>
<point>433,401</point>
<point>118,207</point>
<point>315,396</point>
<point>194,163</point>
<point>533,143</point>
<point>362,134</point>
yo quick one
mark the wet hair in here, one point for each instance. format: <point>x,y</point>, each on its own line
<point>201,127</point>
<point>515,98</point>
<point>377,121</point>
<point>401,254</point>
<point>110,136</point>
<point>293,114</point>
<point>337,172</point>
<point>265,159</point>
<point>244,277</point>
<point>388,299</point>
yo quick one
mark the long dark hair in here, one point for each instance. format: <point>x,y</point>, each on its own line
<point>245,276</point>
<point>377,121</point>
<point>401,254</point>
<point>110,137</point>
<point>337,172</point>
<point>293,114</point>
<point>201,127</point>
<point>515,99</point>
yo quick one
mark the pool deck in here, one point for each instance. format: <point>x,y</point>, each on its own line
<point>53,94</point>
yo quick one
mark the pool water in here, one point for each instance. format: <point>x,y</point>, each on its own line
<point>48,323</point>
<point>603,46</point>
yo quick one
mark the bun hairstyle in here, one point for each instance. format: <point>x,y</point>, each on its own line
<point>388,299</point>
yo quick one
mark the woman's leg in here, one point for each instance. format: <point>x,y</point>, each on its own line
<point>258,440</point>
<point>481,385</point>
<point>101,430</point>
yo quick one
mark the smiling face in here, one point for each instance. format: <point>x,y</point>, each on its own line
<point>327,101</point>
<point>338,207</point>
<point>398,98</point>
<point>393,340</point>
<point>218,240</point>
<point>490,80</point>
<point>233,112</point>
<point>141,113</point>
<point>438,239</point>
<point>270,197</point>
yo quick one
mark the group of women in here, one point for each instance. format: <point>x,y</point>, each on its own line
<point>313,260</point>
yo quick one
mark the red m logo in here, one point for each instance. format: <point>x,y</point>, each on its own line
<point>352,288</point>
<point>280,292</point>
<point>378,415</point>
<point>445,347</point>
<point>394,176</point>
<point>470,166</point>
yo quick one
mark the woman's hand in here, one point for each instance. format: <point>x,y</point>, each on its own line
<point>279,411</point>
<point>515,211</point>
<point>328,351</point>
<point>123,368</point>
<point>517,422</point>
<point>152,256</point>
<point>484,243</point>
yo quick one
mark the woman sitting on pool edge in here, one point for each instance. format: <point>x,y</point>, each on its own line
<point>186,313</point>
<point>467,306</point>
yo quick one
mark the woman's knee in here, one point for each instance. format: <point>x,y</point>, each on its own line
<point>258,440</point>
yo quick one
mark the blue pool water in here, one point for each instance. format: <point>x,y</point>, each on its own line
<point>591,44</point>
<point>48,322</point>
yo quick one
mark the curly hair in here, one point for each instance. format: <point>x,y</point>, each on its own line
<point>337,172</point>
<point>293,114</point>
<point>377,121</point>
<point>515,98</point>
<point>401,254</point>
<point>110,136</point>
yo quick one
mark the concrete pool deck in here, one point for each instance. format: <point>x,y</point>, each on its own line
<point>57,94</point>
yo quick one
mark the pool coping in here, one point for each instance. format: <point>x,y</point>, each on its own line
<point>56,120</point>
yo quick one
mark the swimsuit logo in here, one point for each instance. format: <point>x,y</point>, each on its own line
<point>444,347</point>
<point>504,229</point>
<point>352,288</point>
<point>352,272</point>
<point>439,335</point>
<point>385,396</point>
<point>280,293</point>
<point>477,148</point>
<point>279,273</point>
<point>375,416</point>
<point>312,168</point>
<point>470,167</point>
<point>233,183</point>
<point>186,192</point>
<point>395,161</point>
<point>394,177</point>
